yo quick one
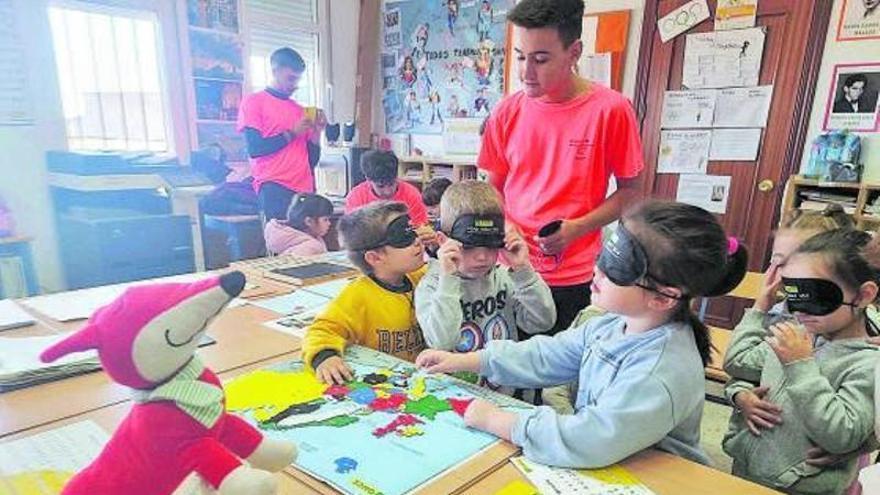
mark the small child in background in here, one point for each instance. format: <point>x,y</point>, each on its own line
<point>376,309</point>
<point>815,374</point>
<point>431,196</point>
<point>640,366</point>
<point>308,221</point>
<point>466,300</point>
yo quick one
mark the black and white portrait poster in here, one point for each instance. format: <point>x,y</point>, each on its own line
<point>852,99</point>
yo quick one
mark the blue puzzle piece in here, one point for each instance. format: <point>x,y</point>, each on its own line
<point>345,464</point>
<point>362,396</point>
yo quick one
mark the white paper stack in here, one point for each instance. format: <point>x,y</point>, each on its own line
<point>13,316</point>
<point>20,364</point>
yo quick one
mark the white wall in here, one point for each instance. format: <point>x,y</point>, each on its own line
<point>840,53</point>
<point>344,16</point>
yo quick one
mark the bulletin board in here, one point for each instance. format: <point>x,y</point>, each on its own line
<point>441,60</point>
<point>605,36</point>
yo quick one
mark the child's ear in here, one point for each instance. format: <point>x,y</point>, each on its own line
<point>867,294</point>
<point>373,257</point>
<point>310,222</point>
<point>666,300</point>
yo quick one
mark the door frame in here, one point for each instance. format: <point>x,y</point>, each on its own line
<point>802,109</point>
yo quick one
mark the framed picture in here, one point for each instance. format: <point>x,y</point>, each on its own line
<point>213,14</point>
<point>852,98</point>
<point>216,55</point>
<point>217,100</point>
<point>859,20</point>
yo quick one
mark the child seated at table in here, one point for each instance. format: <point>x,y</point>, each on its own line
<point>466,300</point>
<point>640,366</point>
<point>376,309</point>
<point>815,370</point>
<point>308,221</point>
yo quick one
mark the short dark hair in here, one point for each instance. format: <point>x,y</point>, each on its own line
<point>434,191</point>
<point>849,81</point>
<point>379,165</point>
<point>307,205</point>
<point>566,16</point>
<point>287,57</point>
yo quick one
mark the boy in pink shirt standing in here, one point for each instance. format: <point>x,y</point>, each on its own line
<point>280,137</point>
<point>551,148</point>
<point>380,169</point>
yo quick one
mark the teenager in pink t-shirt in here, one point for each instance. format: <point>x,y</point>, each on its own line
<point>380,169</point>
<point>282,142</point>
<point>551,148</point>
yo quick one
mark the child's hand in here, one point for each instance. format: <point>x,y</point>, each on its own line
<point>759,413</point>
<point>427,236</point>
<point>434,361</point>
<point>479,414</point>
<point>817,456</point>
<point>767,297</point>
<point>516,251</point>
<point>789,343</point>
<point>449,254</point>
<point>333,370</point>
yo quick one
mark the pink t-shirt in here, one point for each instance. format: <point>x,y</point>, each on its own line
<point>271,116</point>
<point>408,194</point>
<point>556,159</point>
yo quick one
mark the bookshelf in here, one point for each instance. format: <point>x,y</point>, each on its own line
<point>857,199</point>
<point>419,170</point>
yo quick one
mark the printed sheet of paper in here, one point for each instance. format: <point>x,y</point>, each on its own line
<point>13,316</point>
<point>735,144</point>
<point>684,152</point>
<point>596,67</point>
<point>743,107</point>
<point>723,59</point>
<point>709,192</point>
<point>688,109</point>
<point>735,14</point>
<point>612,480</point>
<point>682,19</point>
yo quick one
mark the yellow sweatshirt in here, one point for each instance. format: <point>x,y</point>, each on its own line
<point>367,314</point>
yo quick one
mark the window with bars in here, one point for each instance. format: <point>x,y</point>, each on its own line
<point>273,24</point>
<point>110,78</point>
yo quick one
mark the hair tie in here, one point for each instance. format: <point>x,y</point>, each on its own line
<point>732,246</point>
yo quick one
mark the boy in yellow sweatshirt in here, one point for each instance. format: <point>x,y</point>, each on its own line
<point>376,310</point>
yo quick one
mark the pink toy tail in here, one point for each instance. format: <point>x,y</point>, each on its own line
<point>84,339</point>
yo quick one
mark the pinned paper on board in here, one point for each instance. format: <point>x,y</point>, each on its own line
<point>723,59</point>
<point>688,109</point>
<point>682,19</point>
<point>709,192</point>
<point>683,152</point>
<point>743,107</point>
<point>735,14</point>
<point>735,144</point>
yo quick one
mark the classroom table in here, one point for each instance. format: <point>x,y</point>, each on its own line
<point>663,473</point>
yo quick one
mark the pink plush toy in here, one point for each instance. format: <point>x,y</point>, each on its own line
<point>178,426</point>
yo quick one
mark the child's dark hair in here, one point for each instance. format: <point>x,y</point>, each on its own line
<point>563,15</point>
<point>287,57</point>
<point>688,249</point>
<point>367,226</point>
<point>306,205</point>
<point>434,191</point>
<point>852,256</point>
<point>379,165</point>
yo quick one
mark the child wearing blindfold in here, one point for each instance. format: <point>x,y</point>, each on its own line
<point>375,310</point>
<point>640,366</point>
<point>815,373</point>
<point>466,300</point>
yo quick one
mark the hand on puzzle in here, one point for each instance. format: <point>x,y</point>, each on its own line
<point>516,251</point>
<point>759,413</point>
<point>480,413</point>
<point>790,343</point>
<point>434,361</point>
<point>333,370</point>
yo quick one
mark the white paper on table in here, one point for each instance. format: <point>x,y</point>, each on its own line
<point>611,480</point>
<point>735,14</point>
<point>596,68</point>
<point>688,109</point>
<point>723,59</point>
<point>20,354</point>
<point>80,304</point>
<point>684,152</point>
<point>743,107</point>
<point>65,450</point>
<point>295,302</point>
<point>735,144</point>
<point>709,192</point>
<point>13,316</point>
<point>682,19</point>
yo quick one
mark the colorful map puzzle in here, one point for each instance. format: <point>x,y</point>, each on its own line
<point>388,431</point>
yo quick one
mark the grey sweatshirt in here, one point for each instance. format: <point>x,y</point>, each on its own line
<point>463,315</point>
<point>826,401</point>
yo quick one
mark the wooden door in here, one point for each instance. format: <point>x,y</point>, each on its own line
<point>795,32</point>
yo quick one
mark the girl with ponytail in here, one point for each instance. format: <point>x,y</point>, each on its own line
<point>812,376</point>
<point>639,366</point>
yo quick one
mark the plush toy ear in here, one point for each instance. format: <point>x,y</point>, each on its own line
<point>84,339</point>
